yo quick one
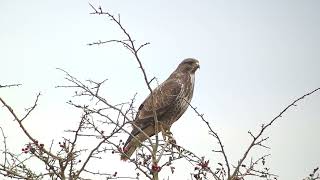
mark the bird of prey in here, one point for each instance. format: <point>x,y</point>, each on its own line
<point>170,100</point>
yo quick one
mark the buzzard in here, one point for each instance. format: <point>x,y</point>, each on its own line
<point>171,99</point>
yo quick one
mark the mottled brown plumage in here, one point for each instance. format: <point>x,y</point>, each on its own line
<point>171,100</point>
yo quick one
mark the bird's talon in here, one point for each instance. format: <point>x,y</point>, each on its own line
<point>172,141</point>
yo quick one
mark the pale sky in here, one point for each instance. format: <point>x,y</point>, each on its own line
<point>256,57</point>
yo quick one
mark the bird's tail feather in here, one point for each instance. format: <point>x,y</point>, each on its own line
<point>135,141</point>
<point>128,151</point>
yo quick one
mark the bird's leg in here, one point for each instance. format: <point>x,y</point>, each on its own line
<point>166,133</point>
<point>163,132</point>
<point>170,137</point>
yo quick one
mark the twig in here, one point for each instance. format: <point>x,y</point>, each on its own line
<point>9,85</point>
<point>215,135</point>
<point>264,127</point>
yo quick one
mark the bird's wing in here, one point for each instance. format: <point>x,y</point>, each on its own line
<point>164,97</point>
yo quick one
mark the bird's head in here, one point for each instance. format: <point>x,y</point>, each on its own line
<point>189,65</point>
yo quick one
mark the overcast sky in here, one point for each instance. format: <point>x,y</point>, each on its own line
<point>256,57</point>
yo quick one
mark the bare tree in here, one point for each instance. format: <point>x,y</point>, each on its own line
<point>103,122</point>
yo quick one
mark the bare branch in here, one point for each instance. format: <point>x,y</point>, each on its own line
<point>9,85</point>
<point>215,135</point>
<point>255,140</point>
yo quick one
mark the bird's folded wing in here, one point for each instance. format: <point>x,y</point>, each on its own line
<point>164,97</point>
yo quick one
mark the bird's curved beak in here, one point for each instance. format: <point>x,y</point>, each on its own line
<point>198,65</point>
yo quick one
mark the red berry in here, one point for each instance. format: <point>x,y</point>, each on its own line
<point>155,168</point>
<point>120,150</point>
<point>125,149</point>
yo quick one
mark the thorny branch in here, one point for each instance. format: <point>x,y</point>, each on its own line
<point>9,85</point>
<point>256,141</point>
<point>64,164</point>
<point>215,135</point>
<point>314,175</point>
<point>19,121</point>
<point>130,45</point>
